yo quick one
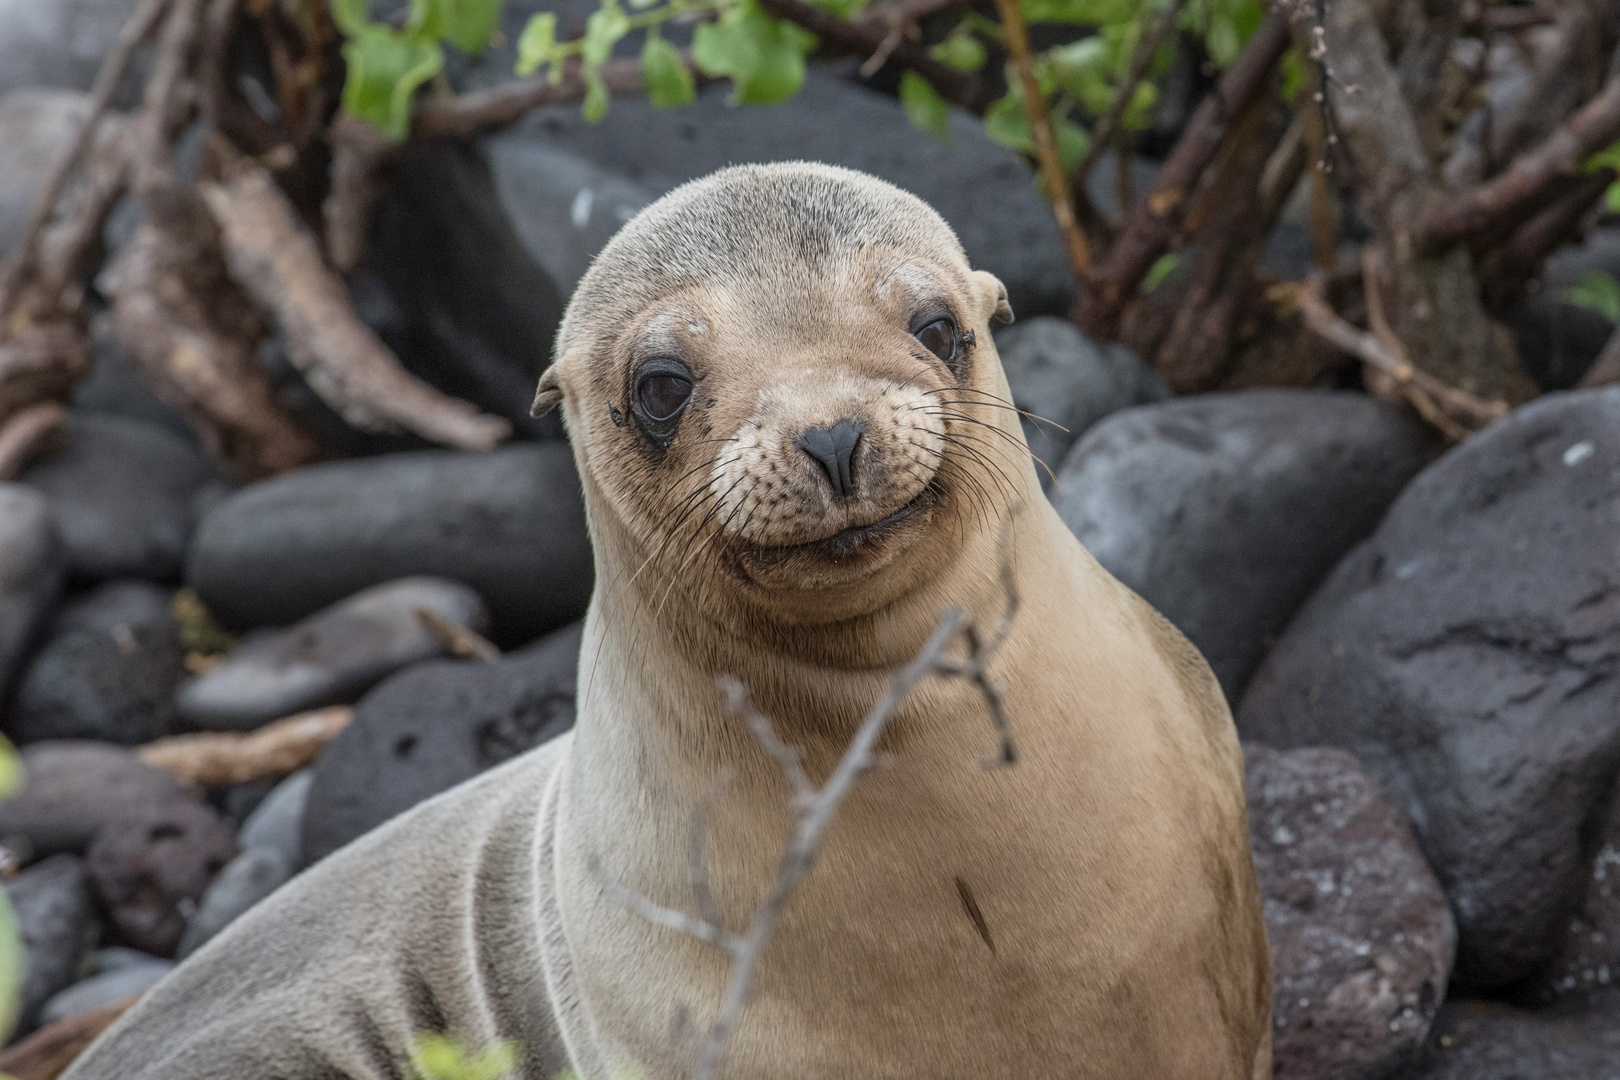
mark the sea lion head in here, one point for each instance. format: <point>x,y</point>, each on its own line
<point>779,381</point>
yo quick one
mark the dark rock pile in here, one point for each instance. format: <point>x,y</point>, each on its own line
<point>1422,648</point>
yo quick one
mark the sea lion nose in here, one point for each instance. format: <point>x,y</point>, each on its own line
<point>833,448</point>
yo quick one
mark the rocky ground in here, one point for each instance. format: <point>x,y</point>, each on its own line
<point>1421,645</point>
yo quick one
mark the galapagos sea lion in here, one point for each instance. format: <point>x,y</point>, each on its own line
<point>786,408</point>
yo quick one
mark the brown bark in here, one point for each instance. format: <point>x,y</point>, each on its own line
<point>48,1052</point>
<point>1147,233</point>
<point>1435,299</point>
<point>1186,327</point>
<point>360,158</point>
<point>1530,183</point>
<point>42,362</point>
<point>28,434</point>
<point>1507,270</point>
<point>195,336</point>
<point>277,749</point>
<point>277,261</point>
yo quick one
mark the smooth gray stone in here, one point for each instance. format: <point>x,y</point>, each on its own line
<point>1466,653</point>
<point>118,957</point>
<point>99,990</point>
<point>121,492</point>
<point>32,567</point>
<point>107,671</point>
<point>510,523</point>
<point>75,788</point>
<point>1487,1040</point>
<point>1224,511</point>
<point>277,824</point>
<point>56,920</point>
<point>432,726</point>
<point>330,658</point>
<point>1070,382</point>
<point>246,879</point>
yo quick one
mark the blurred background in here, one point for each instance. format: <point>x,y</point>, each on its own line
<point>1319,300</point>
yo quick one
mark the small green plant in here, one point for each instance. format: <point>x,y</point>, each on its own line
<point>1608,159</point>
<point>1597,291</point>
<point>439,1057</point>
<point>386,64</point>
<point>13,958</point>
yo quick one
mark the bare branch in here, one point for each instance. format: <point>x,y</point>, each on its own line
<point>1102,133</point>
<point>663,916</point>
<point>279,748</point>
<point>21,264</point>
<point>360,156</point>
<point>1075,244</point>
<point>506,104</point>
<point>277,261</point>
<point>738,701</point>
<point>28,434</point>
<point>1148,231</point>
<point>458,640</point>
<point>1531,182</point>
<point>1461,412</point>
<point>42,362</point>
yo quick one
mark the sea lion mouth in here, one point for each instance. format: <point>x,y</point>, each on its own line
<point>846,543</point>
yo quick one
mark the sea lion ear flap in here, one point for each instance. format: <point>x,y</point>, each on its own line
<point>995,294</point>
<point>548,395</point>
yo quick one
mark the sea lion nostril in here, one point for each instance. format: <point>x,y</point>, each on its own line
<point>834,450</point>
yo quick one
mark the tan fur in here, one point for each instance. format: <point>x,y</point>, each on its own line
<point>1088,913</point>
<point>1110,867</point>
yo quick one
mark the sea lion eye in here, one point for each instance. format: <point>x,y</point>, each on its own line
<point>939,338</point>
<point>663,386</point>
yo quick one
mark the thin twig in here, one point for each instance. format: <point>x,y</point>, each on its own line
<point>1102,134</point>
<point>1470,412</point>
<point>27,434</point>
<point>458,640</point>
<point>1075,243</point>
<point>134,31</point>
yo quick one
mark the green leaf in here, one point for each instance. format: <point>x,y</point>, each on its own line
<point>925,109</point>
<point>1162,267</point>
<point>1612,199</point>
<point>351,16</point>
<point>1225,26</point>
<point>473,23</point>
<point>669,83</point>
<point>603,30</point>
<point>537,43</point>
<point>385,68</point>
<point>960,51</point>
<point>1597,291</point>
<point>763,57</point>
<point>596,96</point>
<point>1604,159</point>
<point>1296,75</point>
<point>844,9</point>
<point>436,1057</point>
<point>1096,12</point>
<point>1007,123</point>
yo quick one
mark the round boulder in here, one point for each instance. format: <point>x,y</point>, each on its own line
<point>1361,938</point>
<point>32,566</point>
<point>107,672</point>
<point>121,491</point>
<point>150,870</point>
<point>56,920</point>
<point>510,523</point>
<point>432,726</point>
<point>332,657</point>
<point>72,789</point>
<point>1064,383</point>
<point>1224,511</point>
<point>1467,654</point>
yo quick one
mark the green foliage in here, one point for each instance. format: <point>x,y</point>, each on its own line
<point>1597,291</point>
<point>668,82</point>
<point>764,57</point>
<point>439,1057</point>
<point>200,632</point>
<point>386,65</point>
<point>13,960</point>
<point>1608,159</point>
<point>1007,122</point>
<point>1296,75</point>
<point>924,107</point>
<point>1162,267</point>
